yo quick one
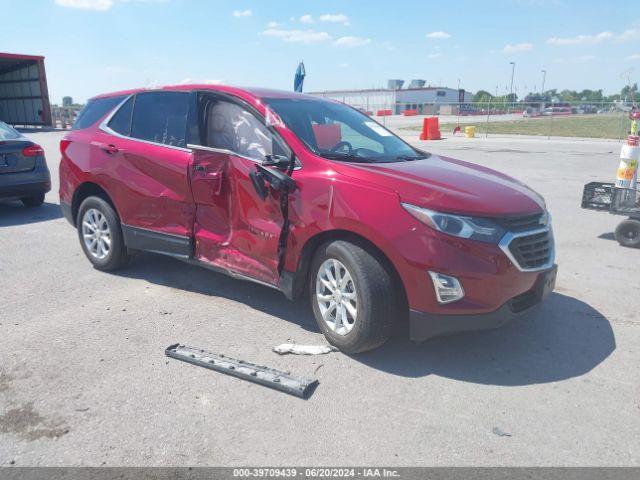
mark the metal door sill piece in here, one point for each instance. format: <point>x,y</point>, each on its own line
<point>268,377</point>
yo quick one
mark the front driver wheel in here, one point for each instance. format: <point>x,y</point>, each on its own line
<point>100,235</point>
<point>353,297</point>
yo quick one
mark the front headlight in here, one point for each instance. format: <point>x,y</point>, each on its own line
<point>474,228</point>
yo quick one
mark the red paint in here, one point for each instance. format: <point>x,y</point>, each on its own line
<point>161,189</point>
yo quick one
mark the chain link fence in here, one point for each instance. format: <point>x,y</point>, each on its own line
<point>608,120</point>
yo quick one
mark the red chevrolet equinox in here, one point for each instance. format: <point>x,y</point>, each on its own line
<point>310,197</point>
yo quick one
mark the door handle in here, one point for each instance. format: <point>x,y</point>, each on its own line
<point>110,148</point>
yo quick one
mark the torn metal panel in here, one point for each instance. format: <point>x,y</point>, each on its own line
<point>269,377</point>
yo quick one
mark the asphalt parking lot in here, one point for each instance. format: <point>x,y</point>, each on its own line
<point>84,379</point>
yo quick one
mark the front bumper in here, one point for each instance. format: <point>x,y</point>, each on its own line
<point>426,325</point>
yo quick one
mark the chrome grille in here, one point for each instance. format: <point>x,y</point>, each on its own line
<point>530,251</point>
<point>521,223</point>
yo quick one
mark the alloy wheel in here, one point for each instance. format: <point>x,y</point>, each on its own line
<point>336,296</point>
<point>96,233</point>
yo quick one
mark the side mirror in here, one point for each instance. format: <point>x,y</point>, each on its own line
<point>265,176</point>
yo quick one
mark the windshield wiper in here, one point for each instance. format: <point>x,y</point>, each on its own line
<point>349,157</point>
<point>409,158</point>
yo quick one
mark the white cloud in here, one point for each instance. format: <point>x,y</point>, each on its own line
<point>344,65</point>
<point>440,35</point>
<point>434,55</point>
<point>350,42</point>
<point>585,58</point>
<point>335,18</point>
<point>581,39</point>
<point>635,56</point>
<point>517,48</point>
<point>297,36</point>
<point>306,18</point>
<point>99,5</point>
<point>242,13</point>
<point>273,25</point>
<point>628,35</point>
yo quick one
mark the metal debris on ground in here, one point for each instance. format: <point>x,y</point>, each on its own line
<point>266,376</point>
<point>304,349</point>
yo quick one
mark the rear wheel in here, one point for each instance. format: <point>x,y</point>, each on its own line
<point>628,233</point>
<point>353,297</point>
<point>33,200</point>
<point>100,235</point>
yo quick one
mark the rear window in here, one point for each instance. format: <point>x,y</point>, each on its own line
<point>161,117</point>
<point>95,110</point>
<point>7,132</point>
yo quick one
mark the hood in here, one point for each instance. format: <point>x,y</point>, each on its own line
<point>450,185</point>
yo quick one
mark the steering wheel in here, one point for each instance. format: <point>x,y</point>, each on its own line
<point>338,146</point>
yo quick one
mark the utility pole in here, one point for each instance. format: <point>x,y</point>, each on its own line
<point>513,70</point>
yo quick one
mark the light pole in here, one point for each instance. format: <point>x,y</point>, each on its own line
<point>513,70</point>
<point>544,77</point>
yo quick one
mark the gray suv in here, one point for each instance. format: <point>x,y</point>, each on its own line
<point>24,173</point>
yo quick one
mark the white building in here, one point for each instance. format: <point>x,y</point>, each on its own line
<point>425,100</point>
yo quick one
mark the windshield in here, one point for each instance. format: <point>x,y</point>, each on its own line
<point>7,132</point>
<point>338,132</point>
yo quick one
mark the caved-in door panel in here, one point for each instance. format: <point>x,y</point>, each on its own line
<point>210,187</point>
<point>235,229</point>
<point>255,226</point>
<point>246,241</point>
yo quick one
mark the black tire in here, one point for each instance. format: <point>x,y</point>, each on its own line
<point>118,256</point>
<point>628,233</point>
<point>377,304</point>
<point>33,200</point>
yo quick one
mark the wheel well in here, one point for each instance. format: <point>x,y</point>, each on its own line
<point>310,248</point>
<point>88,189</point>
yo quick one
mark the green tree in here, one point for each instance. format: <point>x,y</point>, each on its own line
<point>629,92</point>
<point>482,96</point>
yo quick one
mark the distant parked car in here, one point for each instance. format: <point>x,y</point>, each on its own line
<point>24,173</point>
<point>531,112</point>
<point>587,109</point>
<point>553,111</point>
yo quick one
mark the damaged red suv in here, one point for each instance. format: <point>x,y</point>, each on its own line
<point>310,197</point>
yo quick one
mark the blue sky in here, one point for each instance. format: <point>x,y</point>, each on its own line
<point>96,46</point>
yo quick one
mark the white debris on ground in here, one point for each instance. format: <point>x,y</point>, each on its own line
<point>303,349</point>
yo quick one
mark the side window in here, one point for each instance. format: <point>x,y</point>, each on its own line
<point>121,121</point>
<point>228,126</point>
<point>95,109</point>
<point>161,117</point>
